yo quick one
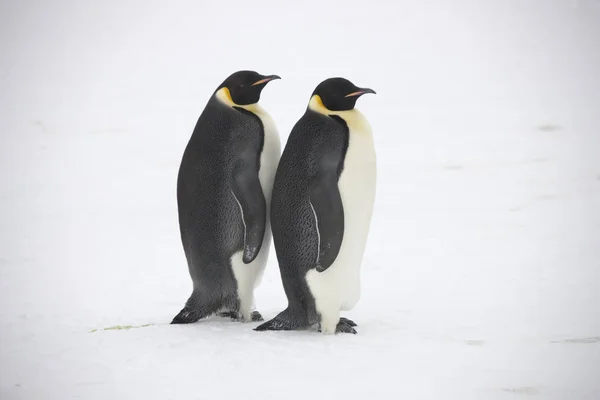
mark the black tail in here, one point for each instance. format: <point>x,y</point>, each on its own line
<point>193,311</point>
<point>287,320</point>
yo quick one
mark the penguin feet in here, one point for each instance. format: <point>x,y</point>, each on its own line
<point>348,321</point>
<point>255,316</point>
<point>229,314</point>
<point>345,326</point>
<point>341,327</point>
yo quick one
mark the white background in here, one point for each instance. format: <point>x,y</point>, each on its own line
<point>480,279</point>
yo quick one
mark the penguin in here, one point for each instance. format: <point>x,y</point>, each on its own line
<point>224,187</point>
<point>321,210</point>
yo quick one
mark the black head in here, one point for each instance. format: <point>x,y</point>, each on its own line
<point>245,86</point>
<point>339,94</point>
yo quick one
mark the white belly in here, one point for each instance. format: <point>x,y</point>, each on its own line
<point>249,276</point>
<point>339,285</point>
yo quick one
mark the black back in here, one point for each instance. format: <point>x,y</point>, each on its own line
<point>314,154</point>
<point>209,216</point>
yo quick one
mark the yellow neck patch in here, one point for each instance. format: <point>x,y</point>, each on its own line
<point>354,118</point>
<point>316,104</point>
<point>224,95</point>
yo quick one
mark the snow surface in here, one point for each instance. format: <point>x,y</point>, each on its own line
<point>480,278</point>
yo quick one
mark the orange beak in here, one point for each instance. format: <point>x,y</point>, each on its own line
<point>360,92</point>
<point>266,79</point>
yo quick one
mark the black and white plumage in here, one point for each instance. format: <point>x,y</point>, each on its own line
<point>321,209</point>
<point>223,195</point>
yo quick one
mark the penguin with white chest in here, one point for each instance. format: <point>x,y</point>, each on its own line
<point>321,210</point>
<point>223,194</point>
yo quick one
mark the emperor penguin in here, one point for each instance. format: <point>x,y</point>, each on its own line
<point>321,210</point>
<point>224,190</point>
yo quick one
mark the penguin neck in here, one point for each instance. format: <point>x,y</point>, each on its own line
<point>354,118</point>
<point>224,96</point>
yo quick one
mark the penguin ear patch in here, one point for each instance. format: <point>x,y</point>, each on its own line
<point>227,95</point>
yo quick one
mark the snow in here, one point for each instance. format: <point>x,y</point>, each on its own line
<point>480,278</point>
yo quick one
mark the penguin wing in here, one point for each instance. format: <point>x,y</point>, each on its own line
<point>326,204</point>
<point>248,193</point>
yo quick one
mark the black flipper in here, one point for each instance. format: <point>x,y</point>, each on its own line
<point>327,206</point>
<point>248,193</point>
<point>284,321</point>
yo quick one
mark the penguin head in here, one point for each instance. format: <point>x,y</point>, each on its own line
<point>339,94</point>
<point>245,86</point>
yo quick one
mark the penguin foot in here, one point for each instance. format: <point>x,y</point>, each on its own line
<point>229,314</point>
<point>347,321</point>
<point>255,316</point>
<point>345,326</point>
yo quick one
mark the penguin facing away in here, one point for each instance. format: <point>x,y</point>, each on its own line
<point>224,189</point>
<point>321,210</point>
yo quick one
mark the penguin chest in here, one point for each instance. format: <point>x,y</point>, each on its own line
<point>269,157</point>
<point>357,184</point>
<point>340,283</point>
